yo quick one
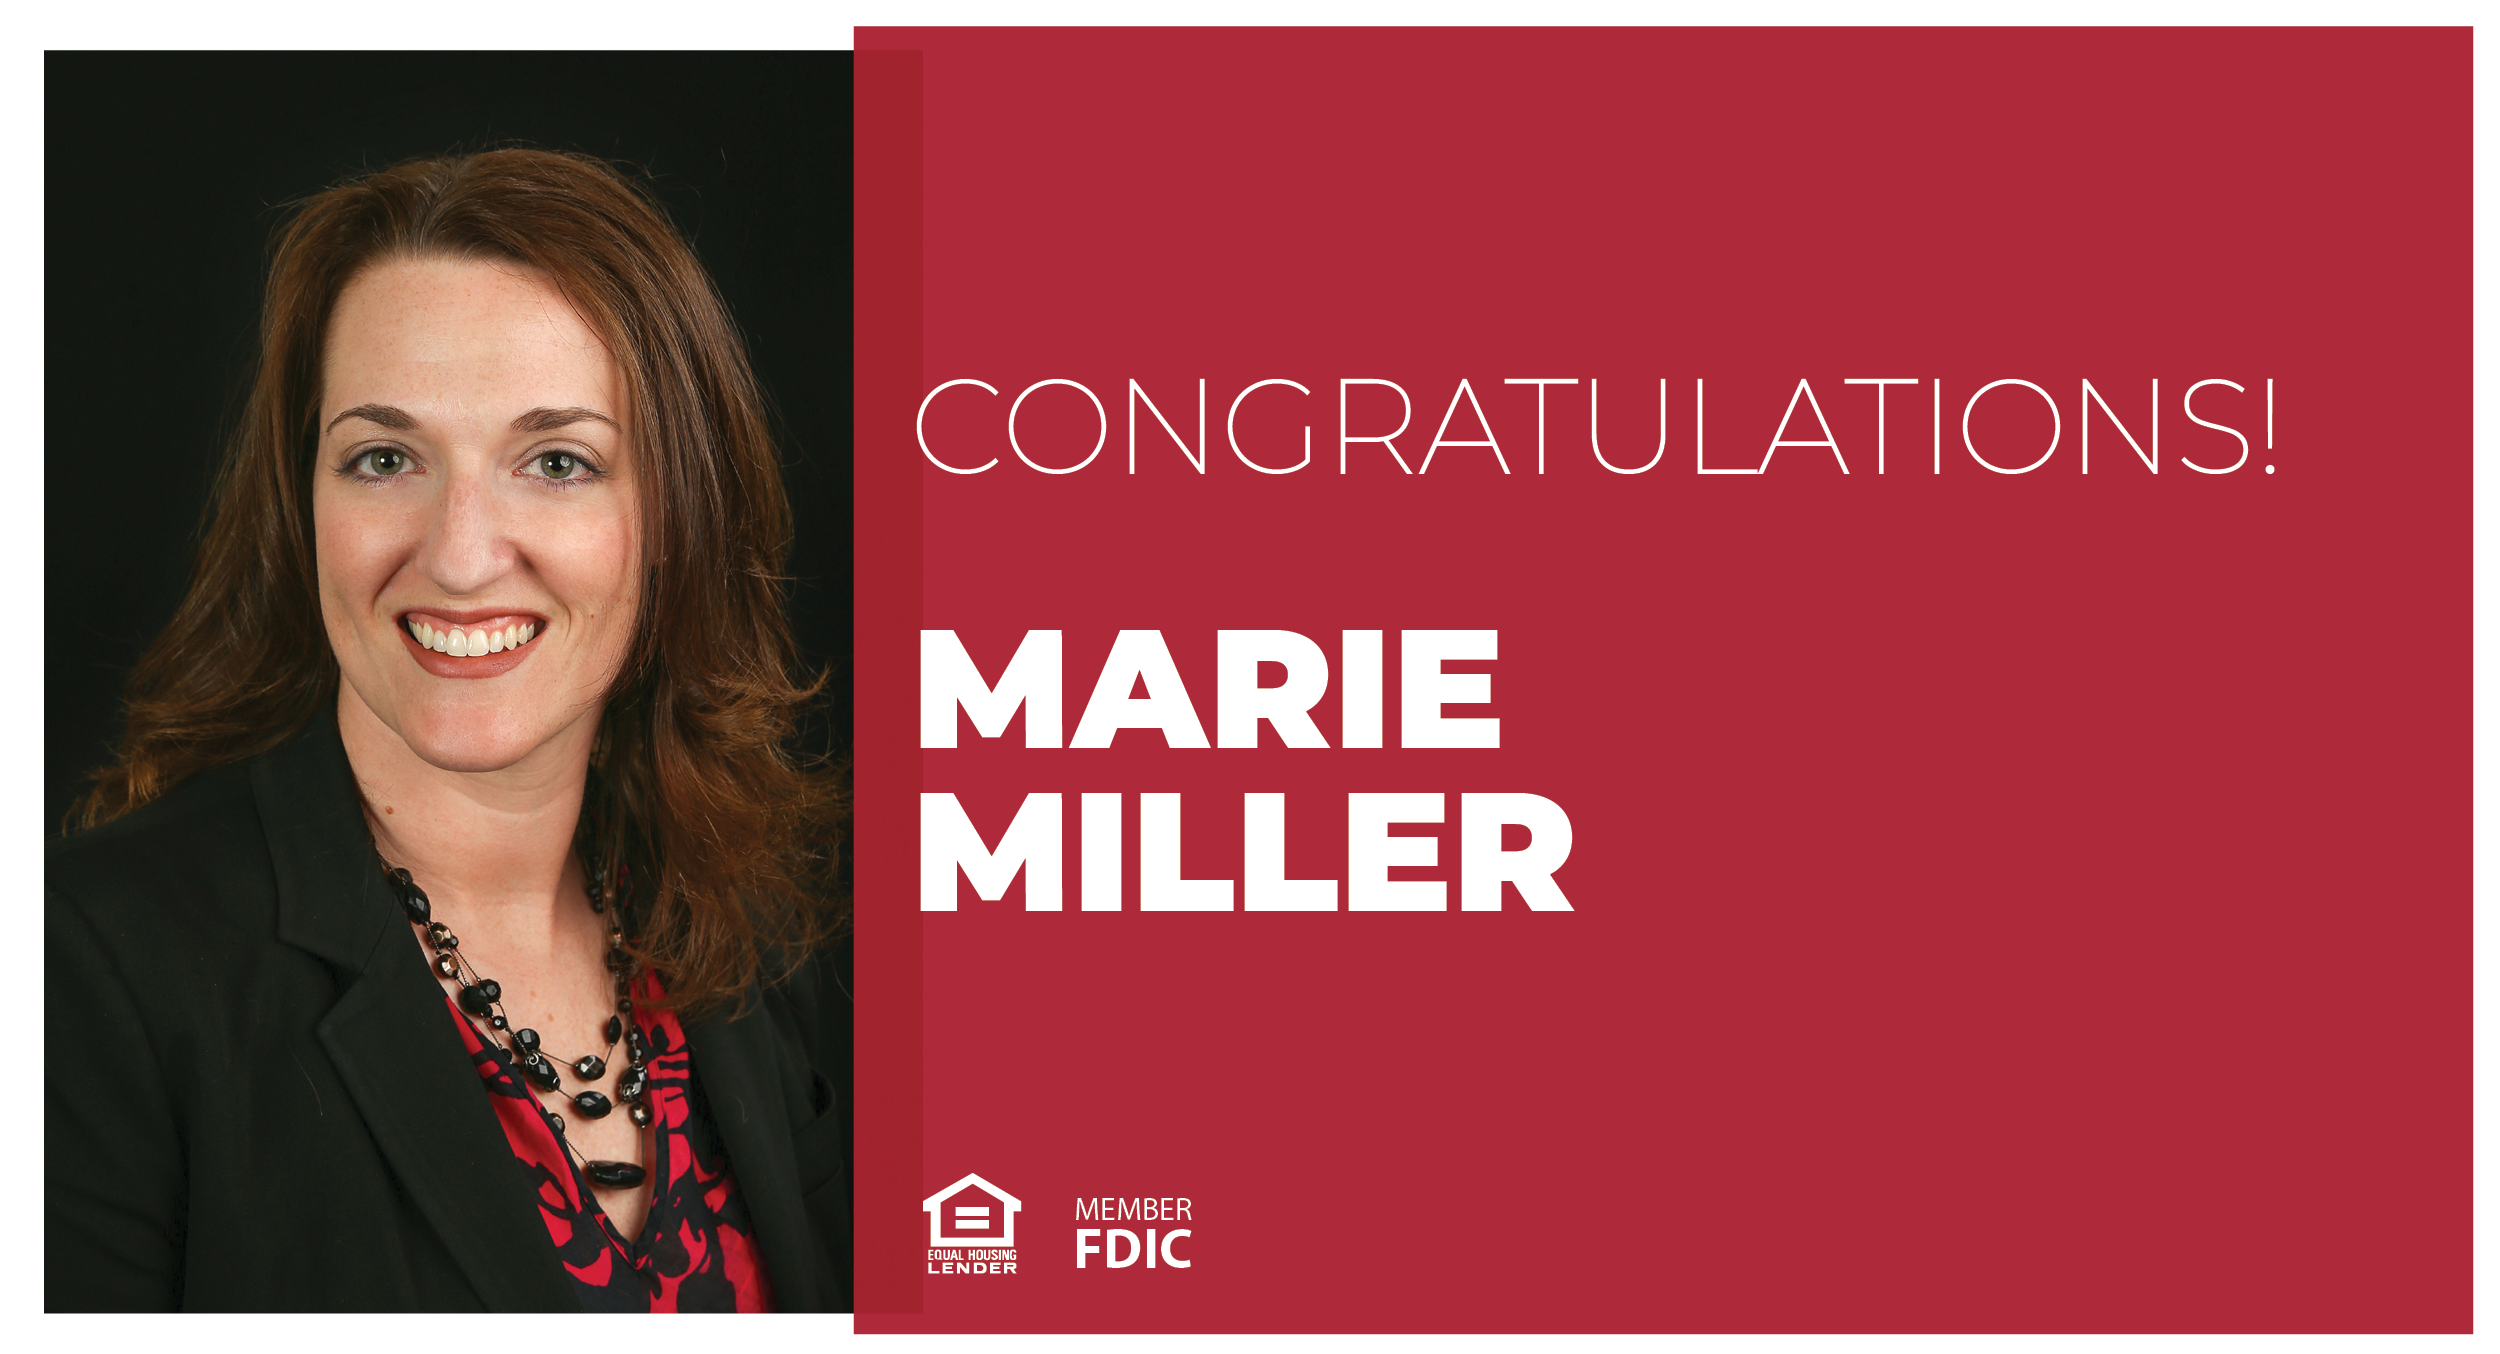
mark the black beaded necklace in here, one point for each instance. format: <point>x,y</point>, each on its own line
<point>481,997</point>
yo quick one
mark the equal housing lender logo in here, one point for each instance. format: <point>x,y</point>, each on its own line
<point>972,1228</point>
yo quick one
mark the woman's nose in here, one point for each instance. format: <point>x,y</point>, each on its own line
<point>467,546</point>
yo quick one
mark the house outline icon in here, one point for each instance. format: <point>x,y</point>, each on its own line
<point>1000,1210</point>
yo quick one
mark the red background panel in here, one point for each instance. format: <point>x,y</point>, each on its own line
<point>2000,901</point>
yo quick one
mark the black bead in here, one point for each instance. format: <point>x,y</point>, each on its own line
<point>640,1113</point>
<point>597,906</point>
<point>593,1105</point>
<point>591,1067</point>
<point>449,942</point>
<point>625,1005</point>
<point>616,1030</point>
<point>436,931</point>
<point>474,1000</point>
<point>629,1087</point>
<point>614,1174</point>
<point>633,1055</point>
<point>492,989</point>
<point>400,877</point>
<point>556,1122</point>
<point>447,966</point>
<point>413,900</point>
<point>525,1039</point>
<point>542,1073</point>
<point>499,1022</point>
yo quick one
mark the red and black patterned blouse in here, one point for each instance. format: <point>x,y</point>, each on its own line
<point>697,1249</point>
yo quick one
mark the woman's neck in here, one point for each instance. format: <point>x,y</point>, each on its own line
<point>483,841</point>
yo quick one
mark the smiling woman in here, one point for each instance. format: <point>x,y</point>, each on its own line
<point>468,455</point>
<point>483,671</point>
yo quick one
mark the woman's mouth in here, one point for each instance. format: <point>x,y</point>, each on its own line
<point>470,641</point>
<point>469,644</point>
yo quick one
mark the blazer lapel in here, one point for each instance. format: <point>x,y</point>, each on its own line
<point>390,1035</point>
<point>732,1062</point>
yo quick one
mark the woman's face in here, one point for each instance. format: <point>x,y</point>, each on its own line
<point>474,510</point>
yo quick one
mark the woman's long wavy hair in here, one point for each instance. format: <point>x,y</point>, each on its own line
<point>731,835</point>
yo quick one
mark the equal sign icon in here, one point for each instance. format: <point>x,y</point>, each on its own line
<point>972,1218</point>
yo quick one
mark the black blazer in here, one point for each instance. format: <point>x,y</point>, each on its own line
<point>254,1101</point>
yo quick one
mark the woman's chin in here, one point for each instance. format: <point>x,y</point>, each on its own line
<point>471,727</point>
<point>462,741</point>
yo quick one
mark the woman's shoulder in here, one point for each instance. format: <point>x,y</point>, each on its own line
<point>813,996</point>
<point>221,846</point>
<point>212,913</point>
<point>204,831</point>
<point>153,918</point>
<point>176,897</point>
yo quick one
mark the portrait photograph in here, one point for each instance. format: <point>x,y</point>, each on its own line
<point>447,694</point>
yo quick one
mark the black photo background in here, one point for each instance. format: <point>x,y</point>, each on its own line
<point>164,175</point>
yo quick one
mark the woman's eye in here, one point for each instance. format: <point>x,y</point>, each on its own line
<point>560,465</point>
<point>383,461</point>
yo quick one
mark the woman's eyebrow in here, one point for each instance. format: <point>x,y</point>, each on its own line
<point>547,420</point>
<point>389,416</point>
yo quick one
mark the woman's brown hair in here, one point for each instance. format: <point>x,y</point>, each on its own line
<point>730,834</point>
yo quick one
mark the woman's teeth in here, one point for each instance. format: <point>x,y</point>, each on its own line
<point>464,643</point>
